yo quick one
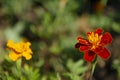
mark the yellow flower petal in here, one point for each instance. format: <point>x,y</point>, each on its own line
<point>28,44</point>
<point>27,55</point>
<point>10,43</point>
<point>14,56</point>
<point>19,49</point>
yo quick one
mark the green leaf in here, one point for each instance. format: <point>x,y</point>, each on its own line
<point>116,27</point>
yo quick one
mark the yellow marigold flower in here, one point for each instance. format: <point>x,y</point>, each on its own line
<point>19,49</point>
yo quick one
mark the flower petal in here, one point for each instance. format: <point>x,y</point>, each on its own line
<point>82,41</point>
<point>89,56</point>
<point>99,31</point>
<point>106,39</point>
<point>104,54</point>
<point>27,55</point>
<point>10,44</point>
<point>77,45</point>
<point>84,48</point>
<point>14,56</point>
<point>98,49</point>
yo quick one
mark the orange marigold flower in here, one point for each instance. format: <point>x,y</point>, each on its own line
<point>19,49</point>
<point>95,45</point>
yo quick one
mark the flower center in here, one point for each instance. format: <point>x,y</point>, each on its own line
<point>94,39</point>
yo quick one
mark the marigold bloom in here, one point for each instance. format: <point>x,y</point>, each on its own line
<point>95,45</point>
<point>19,49</point>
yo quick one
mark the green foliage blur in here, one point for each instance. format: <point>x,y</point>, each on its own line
<point>52,27</point>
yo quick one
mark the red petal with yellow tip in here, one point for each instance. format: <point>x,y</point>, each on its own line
<point>82,41</point>
<point>104,54</point>
<point>106,39</point>
<point>89,56</point>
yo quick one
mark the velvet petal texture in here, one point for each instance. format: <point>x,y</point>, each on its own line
<point>104,54</point>
<point>89,56</point>
<point>106,39</point>
<point>84,48</point>
<point>77,45</point>
<point>99,31</point>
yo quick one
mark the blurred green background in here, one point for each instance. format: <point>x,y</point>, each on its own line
<point>52,27</point>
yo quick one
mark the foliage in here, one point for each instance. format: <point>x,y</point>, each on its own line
<point>76,69</point>
<point>116,64</point>
<point>52,28</point>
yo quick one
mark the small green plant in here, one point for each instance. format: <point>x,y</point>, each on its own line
<point>19,71</point>
<point>76,69</point>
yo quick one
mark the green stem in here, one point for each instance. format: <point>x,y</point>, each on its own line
<point>19,68</point>
<point>92,69</point>
<point>58,76</point>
